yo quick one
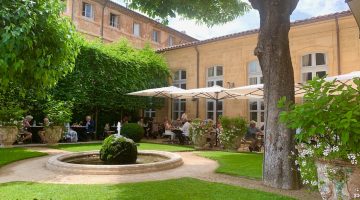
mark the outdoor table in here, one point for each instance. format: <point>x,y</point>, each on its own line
<point>35,133</point>
<point>81,131</point>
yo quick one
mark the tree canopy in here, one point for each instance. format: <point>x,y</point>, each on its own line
<point>37,46</point>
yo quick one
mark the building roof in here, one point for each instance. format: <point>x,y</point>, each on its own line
<point>254,31</point>
<point>145,18</point>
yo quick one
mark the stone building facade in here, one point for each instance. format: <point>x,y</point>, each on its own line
<point>322,45</point>
<point>111,21</point>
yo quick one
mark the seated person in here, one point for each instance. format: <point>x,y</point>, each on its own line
<point>144,126</point>
<point>41,132</point>
<point>168,130</point>
<point>89,127</point>
<point>27,135</point>
<point>70,135</point>
<point>107,131</point>
<point>251,135</point>
<point>185,131</point>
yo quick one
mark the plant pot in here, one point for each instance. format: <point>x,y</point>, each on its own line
<point>53,134</point>
<point>199,141</point>
<point>8,135</point>
<point>338,188</point>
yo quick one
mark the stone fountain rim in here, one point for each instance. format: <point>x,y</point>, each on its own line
<point>56,163</point>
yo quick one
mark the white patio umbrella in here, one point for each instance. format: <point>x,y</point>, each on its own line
<point>160,92</point>
<point>215,93</point>
<point>257,91</point>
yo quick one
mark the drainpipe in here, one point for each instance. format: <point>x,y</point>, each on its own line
<point>338,44</point>
<point>102,21</point>
<point>72,10</point>
<point>197,77</point>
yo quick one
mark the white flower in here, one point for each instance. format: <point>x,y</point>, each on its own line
<point>356,195</point>
<point>327,150</point>
<point>314,183</point>
<point>335,149</point>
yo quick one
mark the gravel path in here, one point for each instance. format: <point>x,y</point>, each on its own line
<point>34,170</point>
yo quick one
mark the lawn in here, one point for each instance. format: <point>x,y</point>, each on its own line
<point>10,155</point>
<point>142,146</point>
<point>247,165</point>
<point>184,188</point>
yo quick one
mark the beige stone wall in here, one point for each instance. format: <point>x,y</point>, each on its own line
<point>234,54</point>
<point>91,28</point>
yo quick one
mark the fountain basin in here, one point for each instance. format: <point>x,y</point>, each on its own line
<point>164,161</point>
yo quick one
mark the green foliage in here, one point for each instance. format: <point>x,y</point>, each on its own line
<point>38,46</point>
<point>58,112</point>
<point>199,128</point>
<point>328,124</point>
<point>133,131</point>
<point>233,129</point>
<point>105,73</point>
<point>11,115</point>
<point>118,150</point>
<point>216,12</point>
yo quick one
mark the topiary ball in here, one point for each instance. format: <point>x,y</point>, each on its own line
<point>133,131</point>
<point>118,150</point>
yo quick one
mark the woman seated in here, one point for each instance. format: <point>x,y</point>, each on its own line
<point>168,130</point>
<point>25,132</point>
<point>41,132</point>
<point>107,130</point>
<point>70,134</point>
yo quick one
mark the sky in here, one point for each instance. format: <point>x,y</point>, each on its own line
<point>305,9</point>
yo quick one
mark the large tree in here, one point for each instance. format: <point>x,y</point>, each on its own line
<point>37,45</point>
<point>274,56</point>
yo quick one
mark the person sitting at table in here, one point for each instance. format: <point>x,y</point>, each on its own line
<point>70,134</point>
<point>25,132</point>
<point>107,130</point>
<point>89,127</point>
<point>41,132</point>
<point>168,130</point>
<point>185,131</point>
<point>177,123</point>
<point>184,117</point>
<point>144,126</point>
<point>251,135</point>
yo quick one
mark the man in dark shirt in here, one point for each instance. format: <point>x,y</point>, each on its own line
<point>90,127</point>
<point>251,135</point>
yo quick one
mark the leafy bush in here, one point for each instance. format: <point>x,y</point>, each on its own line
<point>133,131</point>
<point>58,112</point>
<point>233,129</point>
<point>328,125</point>
<point>118,150</point>
<point>11,115</point>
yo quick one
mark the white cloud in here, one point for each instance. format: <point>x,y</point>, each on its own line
<point>321,7</point>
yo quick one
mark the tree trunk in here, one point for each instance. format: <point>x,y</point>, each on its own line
<point>274,56</point>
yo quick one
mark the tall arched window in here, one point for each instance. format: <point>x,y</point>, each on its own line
<point>215,76</point>
<point>313,64</point>
<point>256,106</point>
<point>179,105</point>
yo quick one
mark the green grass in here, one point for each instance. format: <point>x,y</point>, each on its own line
<point>142,146</point>
<point>247,165</point>
<point>184,188</point>
<point>10,155</point>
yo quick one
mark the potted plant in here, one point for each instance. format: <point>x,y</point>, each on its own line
<point>232,132</point>
<point>200,133</point>
<point>10,119</point>
<point>59,113</point>
<point>328,136</point>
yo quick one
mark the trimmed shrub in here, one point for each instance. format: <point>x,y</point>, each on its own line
<point>133,131</point>
<point>233,130</point>
<point>118,150</point>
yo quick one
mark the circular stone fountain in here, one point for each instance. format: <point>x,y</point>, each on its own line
<point>89,163</point>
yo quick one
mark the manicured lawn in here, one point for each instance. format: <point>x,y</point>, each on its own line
<point>184,188</point>
<point>10,155</point>
<point>142,146</point>
<point>239,164</point>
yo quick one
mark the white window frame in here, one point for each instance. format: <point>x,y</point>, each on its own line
<point>313,68</point>
<point>85,12</point>
<point>171,40</point>
<point>155,36</point>
<point>220,112</point>
<point>212,80</point>
<point>150,113</point>
<point>255,75</point>
<point>136,32</point>
<point>258,111</point>
<point>114,23</point>
<point>180,83</point>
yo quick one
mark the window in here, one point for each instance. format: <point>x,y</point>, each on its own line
<point>171,41</point>
<point>155,36</point>
<point>254,73</point>
<point>149,113</point>
<point>256,108</point>
<point>136,29</point>
<point>313,65</point>
<point>215,76</point>
<point>179,105</point>
<point>210,109</point>
<point>114,20</point>
<point>87,10</point>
